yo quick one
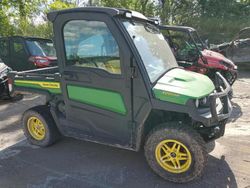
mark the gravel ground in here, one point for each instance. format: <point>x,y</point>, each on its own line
<point>73,163</point>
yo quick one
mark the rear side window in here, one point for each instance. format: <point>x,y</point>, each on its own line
<point>4,48</point>
<point>91,44</point>
<point>18,47</point>
<point>182,45</point>
<point>38,47</point>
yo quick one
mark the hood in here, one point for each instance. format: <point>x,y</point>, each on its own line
<point>179,85</point>
<point>214,58</point>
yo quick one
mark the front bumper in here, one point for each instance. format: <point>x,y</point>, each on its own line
<point>231,76</point>
<point>220,107</point>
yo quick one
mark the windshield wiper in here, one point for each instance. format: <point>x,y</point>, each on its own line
<point>163,74</point>
<point>151,28</point>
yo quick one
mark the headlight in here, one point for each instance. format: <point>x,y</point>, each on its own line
<point>229,64</point>
<point>197,103</point>
<point>203,102</point>
<point>219,105</point>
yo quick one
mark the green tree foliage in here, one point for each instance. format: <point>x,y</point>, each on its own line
<point>21,12</point>
<point>5,26</point>
<point>220,20</point>
<point>217,20</point>
<point>146,7</point>
<point>16,16</point>
<point>57,5</point>
<point>179,12</point>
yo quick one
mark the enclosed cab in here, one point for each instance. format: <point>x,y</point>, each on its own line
<point>26,53</point>
<point>118,83</point>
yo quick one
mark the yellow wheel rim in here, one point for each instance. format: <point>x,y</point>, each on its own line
<point>36,128</point>
<point>173,156</point>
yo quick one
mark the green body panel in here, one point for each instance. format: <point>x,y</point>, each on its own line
<point>52,87</point>
<point>178,86</point>
<point>100,98</point>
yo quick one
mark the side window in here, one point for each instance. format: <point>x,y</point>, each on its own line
<point>4,48</point>
<point>183,46</point>
<point>18,47</point>
<point>91,44</point>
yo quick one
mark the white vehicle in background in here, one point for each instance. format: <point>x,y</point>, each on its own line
<point>4,88</point>
<point>238,50</point>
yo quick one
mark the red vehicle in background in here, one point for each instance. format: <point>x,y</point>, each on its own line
<point>25,53</point>
<point>192,54</point>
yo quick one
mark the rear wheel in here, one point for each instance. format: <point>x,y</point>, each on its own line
<point>39,126</point>
<point>175,152</point>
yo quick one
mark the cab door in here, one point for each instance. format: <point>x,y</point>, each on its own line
<point>18,55</point>
<point>4,51</point>
<point>96,84</point>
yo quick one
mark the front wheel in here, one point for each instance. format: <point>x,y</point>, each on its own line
<point>176,152</point>
<point>230,94</point>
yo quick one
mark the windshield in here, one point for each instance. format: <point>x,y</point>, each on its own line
<point>155,52</point>
<point>41,48</point>
<point>197,40</point>
<point>182,45</point>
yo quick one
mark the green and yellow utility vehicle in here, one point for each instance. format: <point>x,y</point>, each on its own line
<point>118,83</point>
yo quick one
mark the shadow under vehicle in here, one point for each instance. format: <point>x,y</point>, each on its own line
<point>26,53</point>
<point>238,50</point>
<point>94,165</point>
<point>192,54</point>
<point>118,83</point>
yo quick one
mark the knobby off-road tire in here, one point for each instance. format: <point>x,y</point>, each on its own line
<point>210,146</point>
<point>183,143</point>
<point>39,126</point>
<point>230,94</point>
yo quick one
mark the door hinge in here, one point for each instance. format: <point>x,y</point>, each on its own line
<point>133,72</point>
<point>132,128</point>
<point>58,75</point>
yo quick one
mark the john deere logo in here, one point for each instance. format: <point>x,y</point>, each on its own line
<point>170,94</point>
<point>50,85</point>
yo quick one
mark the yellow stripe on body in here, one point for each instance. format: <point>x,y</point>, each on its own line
<point>50,85</point>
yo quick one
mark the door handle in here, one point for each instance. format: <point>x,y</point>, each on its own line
<point>70,76</point>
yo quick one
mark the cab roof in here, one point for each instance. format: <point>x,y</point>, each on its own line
<point>177,28</point>
<point>25,37</point>
<point>107,10</point>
